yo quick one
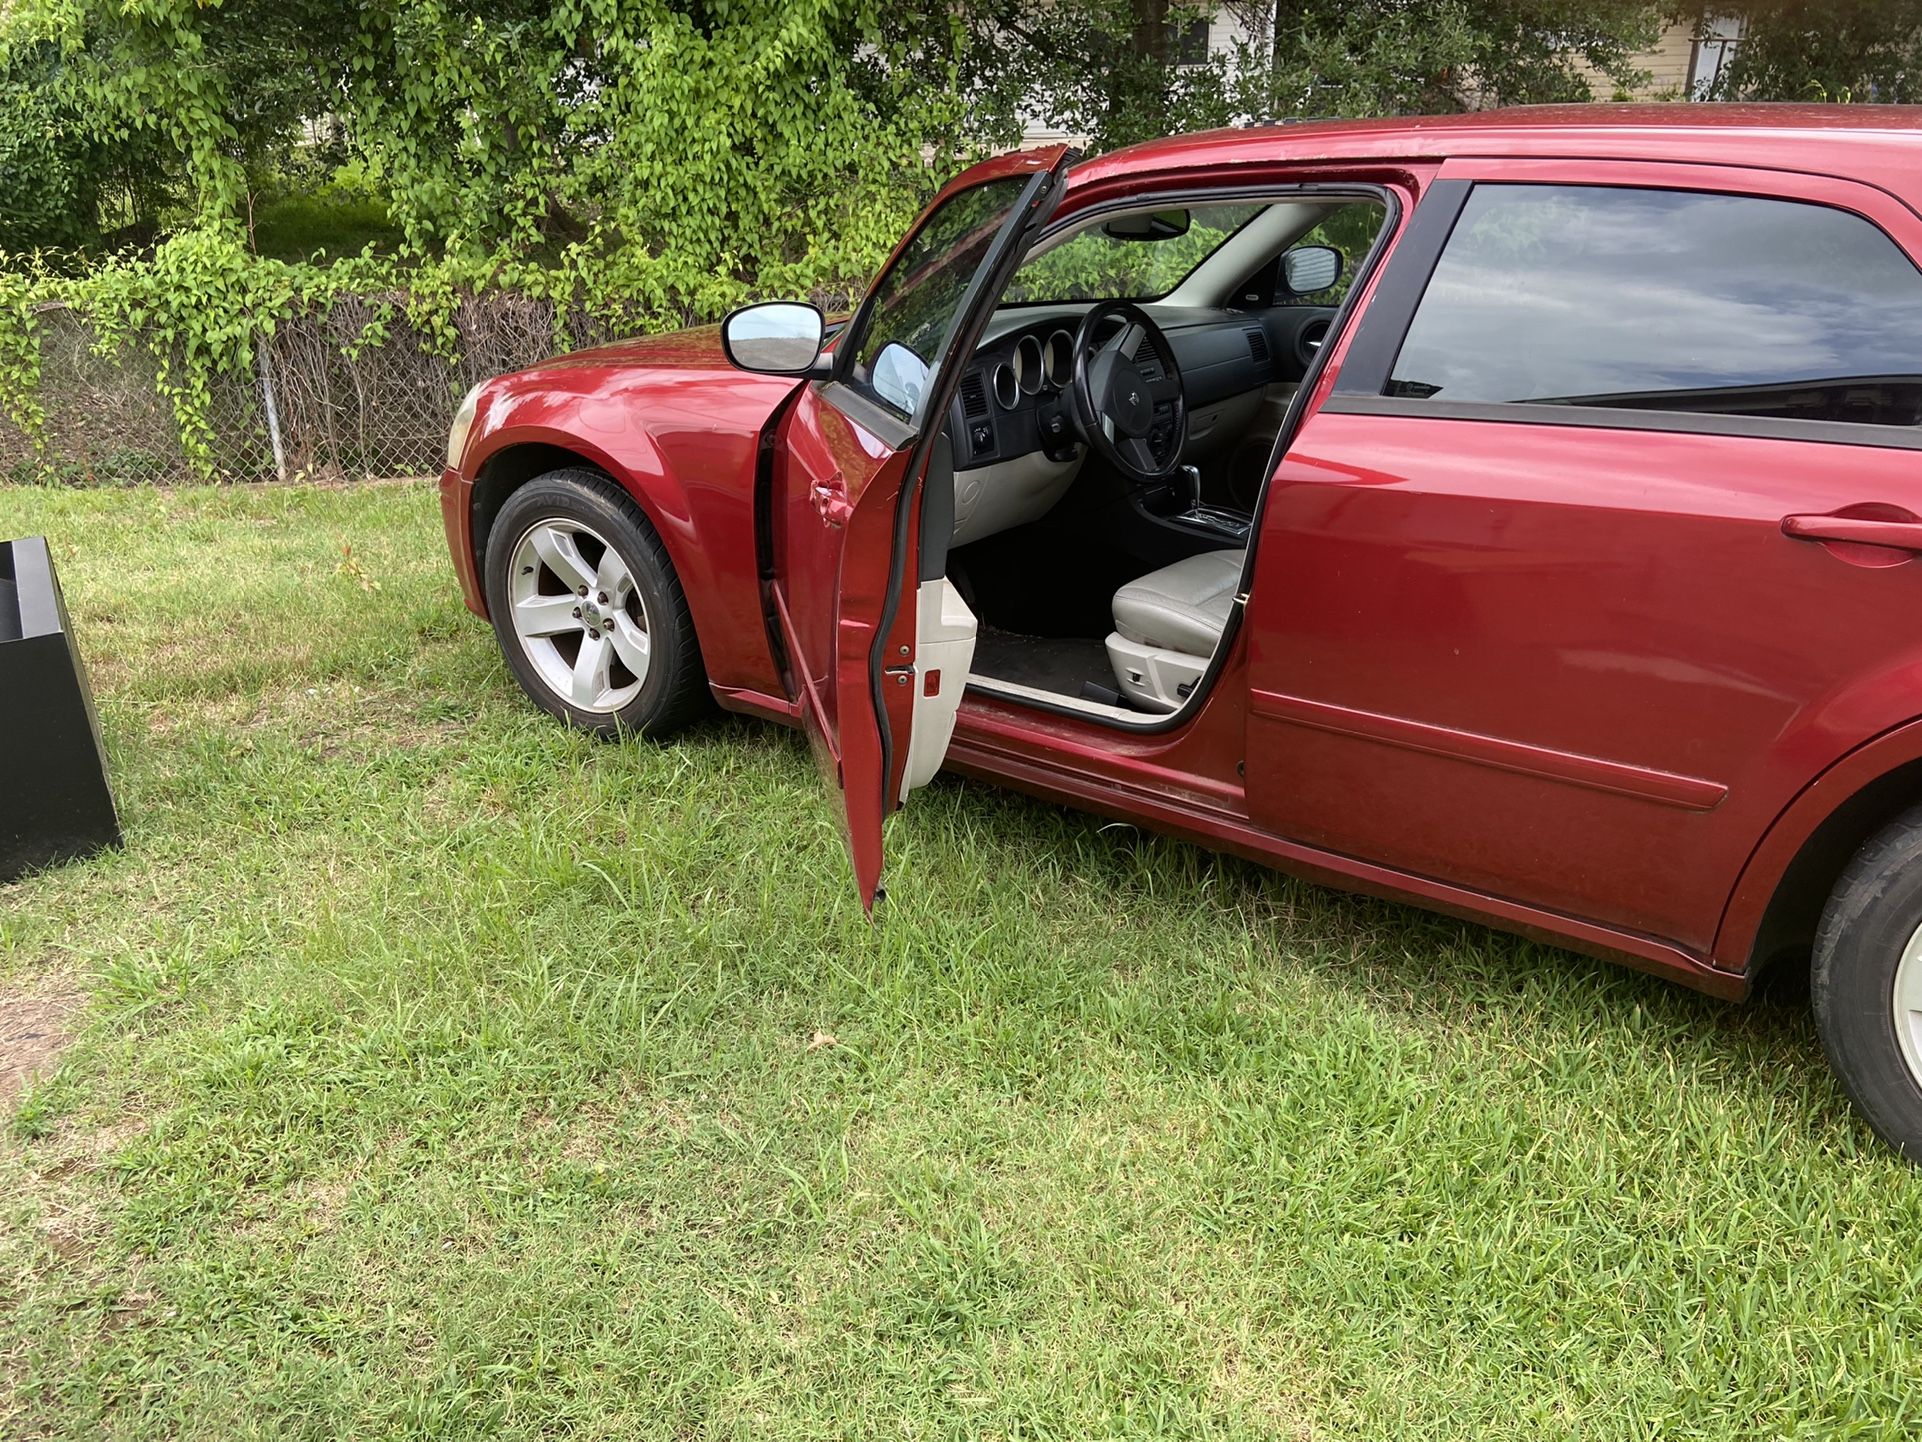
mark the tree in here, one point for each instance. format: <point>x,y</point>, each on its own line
<point>62,186</point>
<point>683,141</point>
<point>1109,69</point>
<point>47,192</point>
<point>198,94</point>
<point>1840,50</point>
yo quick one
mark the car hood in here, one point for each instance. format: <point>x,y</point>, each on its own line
<point>697,349</point>
<point>661,401</point>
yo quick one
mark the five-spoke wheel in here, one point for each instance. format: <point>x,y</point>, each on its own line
<point>578,615</point>
<point>590,615</point>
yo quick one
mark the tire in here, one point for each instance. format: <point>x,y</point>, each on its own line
<point>1866,982</point>
<point>642,669</point>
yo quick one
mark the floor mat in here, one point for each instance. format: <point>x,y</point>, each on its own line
<point>1048,663</point>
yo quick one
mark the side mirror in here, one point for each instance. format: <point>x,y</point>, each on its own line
<point>899,377</point>
<point>777,338</point>
<point>1310,269</point>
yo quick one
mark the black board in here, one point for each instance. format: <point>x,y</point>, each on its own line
<point>55,803</point>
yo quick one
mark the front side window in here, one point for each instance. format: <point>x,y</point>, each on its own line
<point>1672,301</point>
<point>1350,230</point>
<point>915,304</point>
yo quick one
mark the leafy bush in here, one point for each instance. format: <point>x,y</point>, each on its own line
<point>652,164</point>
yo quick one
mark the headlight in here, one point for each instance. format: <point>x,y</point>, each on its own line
<point>463,422</point>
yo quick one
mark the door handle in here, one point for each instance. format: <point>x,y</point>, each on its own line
<point>831,500</point>
<point>1855,530</point>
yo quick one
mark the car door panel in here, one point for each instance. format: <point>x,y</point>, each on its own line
<point>1596,706</point>
<point>845,591</point>
<point>837,481</point>
<point>1580,666</point>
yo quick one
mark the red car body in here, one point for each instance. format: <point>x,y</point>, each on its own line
<point>1574,682</point>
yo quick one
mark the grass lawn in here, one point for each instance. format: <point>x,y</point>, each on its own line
<point>435,1072</point>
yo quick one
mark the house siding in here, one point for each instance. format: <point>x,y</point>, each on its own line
<point>1669,64</point>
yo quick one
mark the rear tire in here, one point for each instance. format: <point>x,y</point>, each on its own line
<point>1866,982</point>
<point>590,616</point>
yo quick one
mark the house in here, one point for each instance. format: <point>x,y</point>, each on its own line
<point>1682,65</point>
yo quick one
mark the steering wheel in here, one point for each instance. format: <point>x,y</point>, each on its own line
<point>1127,398</point>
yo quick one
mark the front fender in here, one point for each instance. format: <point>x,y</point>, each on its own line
<point>685,448</point>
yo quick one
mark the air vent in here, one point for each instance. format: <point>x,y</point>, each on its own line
<point>1148,359</point>
<point>974,395</point>
<point>1257,345</point>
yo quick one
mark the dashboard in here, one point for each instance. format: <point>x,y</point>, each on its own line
<point>1015,451</point>
<point>1005,391</point>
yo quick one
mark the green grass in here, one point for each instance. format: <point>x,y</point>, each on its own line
<point>442,1074</point>
<point>329,225</point>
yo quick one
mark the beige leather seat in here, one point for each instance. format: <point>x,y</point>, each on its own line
<point>1167,625</point>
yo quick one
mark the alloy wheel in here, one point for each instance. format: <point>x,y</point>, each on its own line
<point>1907,999</point>
<point>578,615</point>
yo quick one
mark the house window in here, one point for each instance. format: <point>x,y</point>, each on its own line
<point>1188,41</point>
<point>1714,47</point>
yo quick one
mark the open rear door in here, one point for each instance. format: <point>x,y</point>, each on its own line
<point>876,641</point>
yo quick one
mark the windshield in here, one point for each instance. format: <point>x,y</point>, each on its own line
<point>1091,264</point>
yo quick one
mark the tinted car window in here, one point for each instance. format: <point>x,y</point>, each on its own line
<point>1668,300</point>
<point>915,304</point>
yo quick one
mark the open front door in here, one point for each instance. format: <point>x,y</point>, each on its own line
<point>877,642</point>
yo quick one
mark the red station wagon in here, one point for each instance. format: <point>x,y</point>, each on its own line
<point>1514,514</point>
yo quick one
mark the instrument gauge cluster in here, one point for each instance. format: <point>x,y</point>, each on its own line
<point>1035,367</point>
<point>1057,360</point>
<point>1006,382</point>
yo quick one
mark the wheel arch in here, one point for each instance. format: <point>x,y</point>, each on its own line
<point>1772,916</point>
<point>705,527</point>
<point>508,460</point>
<point>505,472</point>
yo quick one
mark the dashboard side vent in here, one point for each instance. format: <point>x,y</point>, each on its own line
<point>974,395</point>
<point>1257,345</point>
<point>1308,340</point>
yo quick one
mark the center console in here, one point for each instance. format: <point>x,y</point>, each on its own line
<point>1177,502</point>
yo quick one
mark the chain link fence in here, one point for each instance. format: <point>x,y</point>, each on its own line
<point>316,403</point>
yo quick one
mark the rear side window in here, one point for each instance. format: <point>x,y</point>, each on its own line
<point>1668,300</point>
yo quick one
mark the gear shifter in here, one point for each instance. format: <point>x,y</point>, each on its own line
<point>1188,488</point>
<point>1230,525</point>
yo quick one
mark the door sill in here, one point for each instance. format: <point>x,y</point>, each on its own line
<point>1209,824</point>
<point>1055,701</point>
